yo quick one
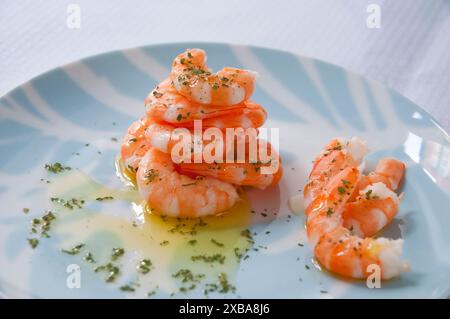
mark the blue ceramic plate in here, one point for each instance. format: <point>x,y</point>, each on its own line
<point>53,117</point>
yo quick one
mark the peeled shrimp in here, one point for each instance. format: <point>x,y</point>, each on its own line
<point>262,172</point>
<point>337,155</point>
<point>135,145</point>
<point>173,194</point>
<point>192,78</point>
<point>247,173</point>
<point>374,203</point>
<point>373,209</point>
<point>164,103</point>
<point>334,245</point>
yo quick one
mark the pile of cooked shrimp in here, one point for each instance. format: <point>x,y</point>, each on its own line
<point>345,209</point>
<point>192,93</point>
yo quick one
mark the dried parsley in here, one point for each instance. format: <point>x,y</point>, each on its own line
<point>74,250</point>
<point>56,167</point>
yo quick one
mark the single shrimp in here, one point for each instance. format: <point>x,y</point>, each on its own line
<point>135,145</point>
<point>374,204</point>
<point>245,174</point>
<point>259,171</point>
<point>338,154</point>
<point>253,115</point>
<point>374,208</point>
<point>335,247</point>
<point>193,79</point>
<point>173,194</point>
<point>165,104</point>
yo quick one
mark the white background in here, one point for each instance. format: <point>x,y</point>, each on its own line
<point>410,52</point>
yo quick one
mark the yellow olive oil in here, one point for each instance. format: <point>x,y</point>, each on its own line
<point>208,247</point>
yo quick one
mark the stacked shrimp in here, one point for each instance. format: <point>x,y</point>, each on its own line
<point>345,209</point>
<point>192,93</point>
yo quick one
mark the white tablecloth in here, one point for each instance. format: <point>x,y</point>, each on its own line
<point>410,52</point>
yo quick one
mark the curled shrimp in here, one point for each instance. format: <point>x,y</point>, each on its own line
<point>246,174</point>
<point>165,104</point>
<point>373,209</point>
<point>261,171</point>
<point>374,203</point>
<point>134,144</point>
<point>335,247</point>
<point>337,155</point>
<point>192,78</point>
<point>173,194</point>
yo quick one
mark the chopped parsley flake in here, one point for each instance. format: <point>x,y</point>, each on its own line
<point>144,266</point>
<point>150,175</point>
<point>104,198</point>
<point>56,168</point>
<point>127,288</point>
<point>33,242</point>
<point>89,258</point>
<point>74,250</point>
<point>117,253</point>
<point>329,212</point>
<point>157,94</point>
<point>164,243</point>
<point>215,242</point>
<point>192,242</point>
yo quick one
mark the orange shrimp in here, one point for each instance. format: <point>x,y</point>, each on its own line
<point>246,174</point>
<point>334,245</point>
<point>374,204</point>
<point>165,104</point>
<point>260,172</point>
<point>193,79</point>
<point>135,145</point>
<point>173,194</point>
<point>333,159</point>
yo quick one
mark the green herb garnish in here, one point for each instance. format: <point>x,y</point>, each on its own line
<point>329,212</point>
<point>117,253</point>
<point>150,175</point>
<point>89,258</point>
<point>192,242</point>
<point>74,250</point>
<point>33,242</point>
<point>164,243</point>
<point>215,242</point>
<point>56,168</point>
<point>144,266</point>
<point>104,198</point>
<point>127,288</point>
